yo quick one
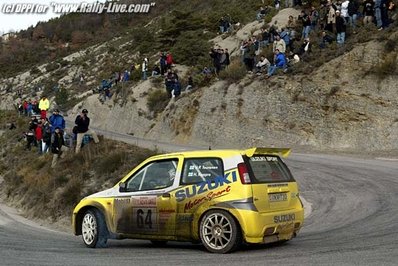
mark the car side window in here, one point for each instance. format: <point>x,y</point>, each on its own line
<point>201,170</point>
<point>155,175</point>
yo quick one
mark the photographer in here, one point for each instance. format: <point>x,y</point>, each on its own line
<point>82,123</point>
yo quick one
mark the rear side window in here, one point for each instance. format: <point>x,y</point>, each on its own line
<point>201,170</point>
<point>268,169</point>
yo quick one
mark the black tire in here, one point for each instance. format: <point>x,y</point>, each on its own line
<point>159,243</point>
<point>219,232</point>
<point>94,231</point>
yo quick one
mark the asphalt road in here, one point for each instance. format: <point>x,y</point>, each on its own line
<point>354,221</point>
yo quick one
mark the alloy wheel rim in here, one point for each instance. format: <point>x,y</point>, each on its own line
<point>89,228</point>
<point>217,231</point>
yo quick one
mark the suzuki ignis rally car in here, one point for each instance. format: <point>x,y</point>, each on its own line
<point>220,198</point>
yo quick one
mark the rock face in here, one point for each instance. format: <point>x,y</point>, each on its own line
<point>343,105</point>
<point>337,107</point>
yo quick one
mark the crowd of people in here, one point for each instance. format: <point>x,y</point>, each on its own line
<point>321,26</point>
<point>49,134</point>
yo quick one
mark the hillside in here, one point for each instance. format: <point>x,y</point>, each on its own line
<point>341,98</point>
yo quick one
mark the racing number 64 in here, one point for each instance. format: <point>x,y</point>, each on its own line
<point>144,222</point>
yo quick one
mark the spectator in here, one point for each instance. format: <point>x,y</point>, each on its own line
<point>20,108</point>
<point>227,60</point>
<point>30,139</point>
<point>39,136</point>
<point>265,36</point>
<point>144,68</point>
<point>46,144</point>
<point>325,40</point>
<point>155,70</point>
<point>29,108</point>
<point>262,64</point>
<point>314,18</point>
<point>331,17</point>
<point>279,63</point>
<point>285,36</point>
<point>224,25</point>
<point>279,44</point>
<point>163,64</point>
<point>82,122</point>
<point>216,56</point>
<point>261,14</point>
<point>368,11</point>
<point>249,55</point>
<point>323,13</point>
<point>353,9</point>
<point>340,28</point>
<point>206,71</point>
<point>190,83</point>
<point>344,11</point>
<point>57,146</point>
<point>25,107</point>
<point>169,60</point>
<point>44,104</point>
<point>277,4</point>
<point>57,120</point>
<point>306,22</point>
<point>170,80</point>
<point>126,76</point>
<point>305,47</point>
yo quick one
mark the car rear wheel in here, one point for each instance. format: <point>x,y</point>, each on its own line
<point>219,232</point>
<point>94,230</point>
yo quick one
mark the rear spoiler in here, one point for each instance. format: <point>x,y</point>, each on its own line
<point>284,152</point>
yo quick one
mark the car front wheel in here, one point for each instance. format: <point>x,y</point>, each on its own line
<point>220,232</point>
<point>94,230</point>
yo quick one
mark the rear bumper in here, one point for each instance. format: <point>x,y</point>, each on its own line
<point>271,226</point>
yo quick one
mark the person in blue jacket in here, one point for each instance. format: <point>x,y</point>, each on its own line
<point>279,62</point>
<point>57,120</point>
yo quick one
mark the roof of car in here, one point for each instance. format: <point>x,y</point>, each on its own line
<point>228,152</point>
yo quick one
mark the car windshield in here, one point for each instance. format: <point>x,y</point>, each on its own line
<point>269,169</point>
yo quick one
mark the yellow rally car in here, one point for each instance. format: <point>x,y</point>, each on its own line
<point>218,197</point>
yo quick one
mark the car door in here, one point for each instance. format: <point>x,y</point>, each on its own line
<point>145,205</point>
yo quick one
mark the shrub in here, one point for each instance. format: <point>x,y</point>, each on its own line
<point>35,70</point>
<point>51,66</point>
<point>157,101</point>
<point>387,67</point>
<point>235,72</point>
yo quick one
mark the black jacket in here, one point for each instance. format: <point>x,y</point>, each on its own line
<point>82,124</point>
<point>58,142</point>
<point>340,24</point>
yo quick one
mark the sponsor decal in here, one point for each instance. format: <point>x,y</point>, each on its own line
<point>211,195</point>
<point>144,201</point>
<point>181,218</point>
<point>205,186</point>
<point>284,218</point>
<point>278,185</point>
<point>167,211</point>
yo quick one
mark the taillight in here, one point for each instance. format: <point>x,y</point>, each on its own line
<point>243,173</point>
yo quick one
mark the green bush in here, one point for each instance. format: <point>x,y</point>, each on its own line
<point>387,67</point>
<point>62,97</point>
<point>157,101</point>
<point>52,66</point>
<point>234,73</point>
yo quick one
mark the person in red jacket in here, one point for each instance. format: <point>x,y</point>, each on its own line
<point>169,60</point>
<point>39,135</point>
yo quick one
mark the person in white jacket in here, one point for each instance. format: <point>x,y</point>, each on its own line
<point>344,10</point>
<point>262,64</point>
<point>144,68</point>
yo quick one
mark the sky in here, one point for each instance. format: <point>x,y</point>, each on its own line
<point>17,22</point>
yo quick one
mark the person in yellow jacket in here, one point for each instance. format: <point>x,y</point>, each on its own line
<point>44,105</point>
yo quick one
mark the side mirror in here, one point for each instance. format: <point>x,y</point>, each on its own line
<point>122,187</point>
